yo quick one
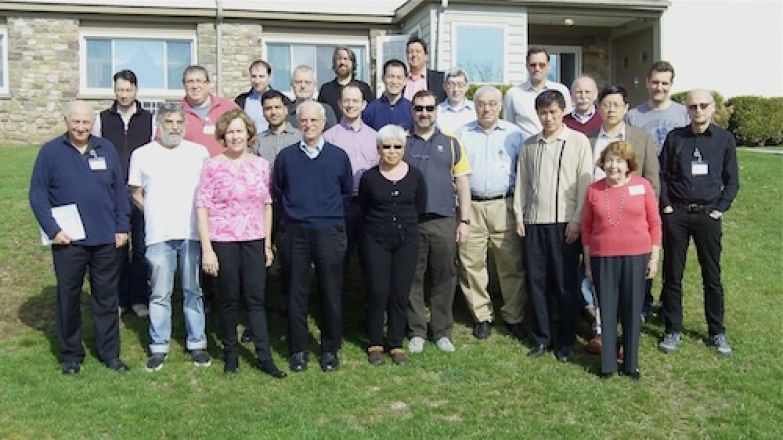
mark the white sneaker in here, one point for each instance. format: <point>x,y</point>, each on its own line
<point>444,344</point>
<point>416,344</point>
<point>140,310</point>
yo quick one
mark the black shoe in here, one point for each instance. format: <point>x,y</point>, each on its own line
<point>517,331</point>
<point>71,367</point>
<point>117,365</point>
<point>537,351</point>
<point>268,366</point>
<point>231,365</point>
<point>564,354</point>
<point>482,329</point>
<point>298,361</point>
<point>329,362</point>
<point>634,375</point>
<point>246,336</point>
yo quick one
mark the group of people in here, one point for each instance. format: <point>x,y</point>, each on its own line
<point>573,200</point>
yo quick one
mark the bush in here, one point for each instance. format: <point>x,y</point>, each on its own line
<point>721,117</point>
<point>473,87</point>
<point>756,121</point>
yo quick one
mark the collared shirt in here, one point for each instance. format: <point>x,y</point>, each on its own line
<point>201,130</point>
<point>519,105</point>
<point>684,179</point>
<point>440,159</point>
<point>451,119</point>
<point>382,112</point>
<point>312,152</point>
<point>359,145</point>
<point>583,118</point>
<point>493,157</point>
<point>330,94</point>
<point>601,142</point>
<point>414,83</point>
<point>269,144</point>
<point>254,109</point>
<point>93,181</point>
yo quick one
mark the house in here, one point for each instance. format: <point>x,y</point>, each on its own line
<point>54,51</point>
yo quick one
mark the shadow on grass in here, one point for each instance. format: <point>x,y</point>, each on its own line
<point>38,313</point>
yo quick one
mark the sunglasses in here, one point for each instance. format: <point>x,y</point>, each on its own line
<point>389,147</point>
<point>421,108</point>
<point>702,106</point>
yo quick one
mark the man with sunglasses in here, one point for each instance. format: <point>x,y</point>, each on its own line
<point>444,165</point>
<point>519,102</point>
<point>699,181</point>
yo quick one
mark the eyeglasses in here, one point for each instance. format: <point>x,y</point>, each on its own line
<point>702,105</point>
<point>390,146</point>
<point>456,85</point>
<point>421,108</point>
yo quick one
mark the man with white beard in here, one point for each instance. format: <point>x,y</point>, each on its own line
<point>163,177</point>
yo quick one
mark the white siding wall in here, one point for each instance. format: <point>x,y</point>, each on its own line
<point>735,48</point>
<point>515,19</point>
<point>421,23</point>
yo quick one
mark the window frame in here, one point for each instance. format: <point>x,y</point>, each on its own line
<point>560,49</point>
<point>4,89</point>
<point>323,40</point>
<point>454,42</point>
<point>86,33</point>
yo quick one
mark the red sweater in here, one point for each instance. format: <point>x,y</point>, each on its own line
<point>630,231</point>
<point>591,126</point>
<point>194,125</point>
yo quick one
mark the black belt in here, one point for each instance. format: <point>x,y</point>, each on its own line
<point>486,199</point>
<point>693,207</point>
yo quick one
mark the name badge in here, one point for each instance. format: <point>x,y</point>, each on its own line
<point>97,163</point>
<point>209,129</point>
<point>699,168</point>
<point>636,190</point>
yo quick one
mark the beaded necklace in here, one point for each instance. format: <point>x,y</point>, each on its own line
<point>619,210</point>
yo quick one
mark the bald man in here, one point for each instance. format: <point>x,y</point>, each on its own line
<point>583,118</point>
<point>80,174</point>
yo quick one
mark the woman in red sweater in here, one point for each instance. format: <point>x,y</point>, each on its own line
<point>621,235</point>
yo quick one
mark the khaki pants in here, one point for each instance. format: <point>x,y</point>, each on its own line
<point>492,225</point>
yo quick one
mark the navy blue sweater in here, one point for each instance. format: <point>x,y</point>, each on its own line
<point>313,192</point>
<point>62,176</point>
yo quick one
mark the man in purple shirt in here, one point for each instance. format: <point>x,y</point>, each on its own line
<point>357,139</point>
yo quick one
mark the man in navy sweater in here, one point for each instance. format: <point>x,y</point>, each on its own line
<point>83,171</point>
<point>312,183</point>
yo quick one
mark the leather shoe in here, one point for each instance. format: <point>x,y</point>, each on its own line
<point>268,366</point>
<point>594,345</point>
<point>298,362</point>
<point>246,336</point>
<point>537,351</point>
<point>482,329</point>
<point>375,355</point>
<point>517,331</point>
<point>71,367</point>
<point>117,365</point>
<point>398,357</point>
<point>564,354</point>
<point>329,362</point>
<point>634,375</point>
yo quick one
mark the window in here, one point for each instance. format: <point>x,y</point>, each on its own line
<point>565,63</point>
<point>157,60</point>
<point>285,53</point>
<point>480,50</point>
<point>3,60</point>
<point>388,47</point>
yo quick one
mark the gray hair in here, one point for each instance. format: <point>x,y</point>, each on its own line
<point>455,72</point>
<point>193,68</point>
<point>483,90</point>
<point>391,132</point>
<point>302,68</point>
<point>76,105</point>
<point>168,108</point>
<point>321,109</point>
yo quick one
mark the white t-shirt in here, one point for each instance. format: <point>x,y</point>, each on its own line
<point>169,177</point>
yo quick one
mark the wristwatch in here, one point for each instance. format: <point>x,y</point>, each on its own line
<point>466,221</point>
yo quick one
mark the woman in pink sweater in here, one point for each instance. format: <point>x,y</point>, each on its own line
<point>621,235</point>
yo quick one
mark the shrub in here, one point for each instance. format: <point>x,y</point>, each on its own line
<point>721,117</point>
<point>473,87</point>
<point>756,121</point>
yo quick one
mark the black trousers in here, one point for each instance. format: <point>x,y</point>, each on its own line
<point>134,270</point>
<point>242,270</point>
<point>70,264</point>
<point>678,228</point>
<point>325,249</point>
<point>620,283</point>
<point>552,267</point>
<point>389,270</point>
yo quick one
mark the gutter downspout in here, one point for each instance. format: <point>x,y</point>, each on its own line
<point>219,48</point>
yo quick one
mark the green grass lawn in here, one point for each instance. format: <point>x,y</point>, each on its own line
<point>484,390</point>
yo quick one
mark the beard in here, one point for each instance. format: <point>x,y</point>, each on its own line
<point>170,139</point>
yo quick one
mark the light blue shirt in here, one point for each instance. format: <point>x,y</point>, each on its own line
<point>256,113</point>
<point>451,119</point>
<point>312,152</point>
<point>493,157</point>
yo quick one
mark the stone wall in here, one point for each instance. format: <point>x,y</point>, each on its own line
<point>595,59</point>
<point>241,45</point>
<point>43,75</point>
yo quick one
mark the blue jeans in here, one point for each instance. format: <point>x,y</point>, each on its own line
<point>162,258</point>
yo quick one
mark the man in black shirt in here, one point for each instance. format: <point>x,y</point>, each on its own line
<point>344,67</point>
<point>699,180</point>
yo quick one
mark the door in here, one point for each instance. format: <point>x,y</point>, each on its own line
<point>632,56</point>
